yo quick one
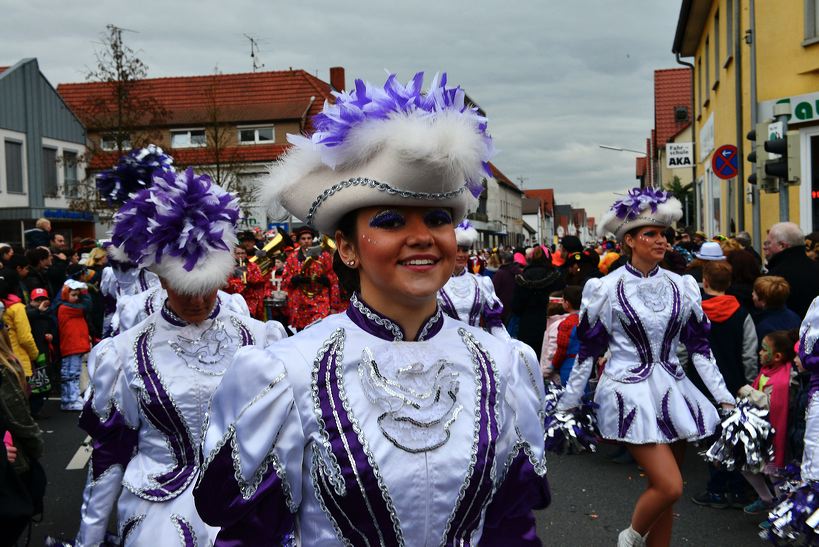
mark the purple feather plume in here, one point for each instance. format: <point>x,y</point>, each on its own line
<point>133,172</point>
<point>365,103</point>
<point>637,200</point>
<point>181,215</point>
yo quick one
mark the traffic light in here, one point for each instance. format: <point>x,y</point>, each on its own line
<point>758,156</point>
<point>787,165</point>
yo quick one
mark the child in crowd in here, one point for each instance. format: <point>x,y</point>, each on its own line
<point>75,341</point>
<point>555,314</point>
<point>733,342</point>
<point>776,359</point>
<point>44,331</point>
<point>770,295</point>
<point>567,342</point>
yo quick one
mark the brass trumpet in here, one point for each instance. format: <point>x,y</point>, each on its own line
<point>275,245</point>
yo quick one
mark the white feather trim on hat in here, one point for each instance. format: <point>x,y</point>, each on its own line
<point>211,273</point>
<point>665,214</point>
<point>466,237</point>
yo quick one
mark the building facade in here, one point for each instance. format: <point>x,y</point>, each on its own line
<point>748,56</point>
<point>43,144</point>
<point>229,126</point>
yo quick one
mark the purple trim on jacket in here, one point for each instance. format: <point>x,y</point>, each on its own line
<point>261,519</point>
<point>509,518</point>
<point>594,339</point>
<point>362,513</point>
<point>378,324</point>
<point>810,362</point>
<point>695,336</point>
<point>158,408</point>
<point>633,327</point>
<point>113,441</point>
<point>478,492</point>
<point>185,530</point>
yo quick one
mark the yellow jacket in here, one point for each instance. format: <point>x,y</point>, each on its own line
<point>22,342</point>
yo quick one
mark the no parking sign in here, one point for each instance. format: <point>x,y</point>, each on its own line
<point>725,162</point>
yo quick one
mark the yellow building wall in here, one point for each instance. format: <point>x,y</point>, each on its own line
<point>784,68</point>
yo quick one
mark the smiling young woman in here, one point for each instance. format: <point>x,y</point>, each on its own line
<point>390,423</point>
<point>644,399</point>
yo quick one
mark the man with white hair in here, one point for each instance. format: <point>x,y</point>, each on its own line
<point>787,258</point>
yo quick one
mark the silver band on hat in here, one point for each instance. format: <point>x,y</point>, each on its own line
<point>381,187</point>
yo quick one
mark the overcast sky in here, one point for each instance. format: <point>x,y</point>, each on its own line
<point>556,79</point>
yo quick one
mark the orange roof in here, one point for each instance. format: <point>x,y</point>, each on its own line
<point>672,89</point>
<point>546,197</point>
<point>3,69</point>
<point>502,179</point>
<point>184,157</point>
<point>245,97</point>
<point>641,167</point>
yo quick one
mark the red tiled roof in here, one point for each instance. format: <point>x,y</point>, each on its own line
<point>3,69</point>
<point>245,97</point>
<point>546,197</point>
<point>184,157</point>
<point>640,167</point>
<point>672,89</point>
<point>502,179</point>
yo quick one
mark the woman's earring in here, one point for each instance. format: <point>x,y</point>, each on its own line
<point>351,263</point>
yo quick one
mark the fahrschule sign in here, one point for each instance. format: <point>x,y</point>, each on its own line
<point>679,154</point>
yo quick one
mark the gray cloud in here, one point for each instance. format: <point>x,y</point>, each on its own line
<point>556,78</point>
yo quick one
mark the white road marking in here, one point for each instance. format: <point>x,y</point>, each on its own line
<point>81,456</point>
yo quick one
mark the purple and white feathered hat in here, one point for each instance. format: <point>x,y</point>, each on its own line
<point>183,228</point>
<point>133,172</point>
<point>641,207</point>
<point>390,145</point>
<point>465,234</point>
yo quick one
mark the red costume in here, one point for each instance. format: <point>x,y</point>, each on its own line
<point>254,286</point>
<point>312,290</point>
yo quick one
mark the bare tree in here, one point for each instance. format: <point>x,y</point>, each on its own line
<point>123,116</point>
<point>223,162</point>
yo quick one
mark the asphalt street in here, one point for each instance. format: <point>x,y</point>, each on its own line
<point>592,497</point>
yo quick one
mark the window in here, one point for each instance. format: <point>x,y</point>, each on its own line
<point>50,172</point>
<point>707,69</point>
<point>14,167</point>
<point>256,135</point>
<point>70,174</point>
<point>188,138</point>
<point>109,143</point>
<point>811,21</point>
<point>716,51</point>
<point>729,30</point>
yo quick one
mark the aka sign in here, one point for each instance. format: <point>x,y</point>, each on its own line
<point>679,154</point>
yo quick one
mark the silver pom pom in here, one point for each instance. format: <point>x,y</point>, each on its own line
<point>746,440</point>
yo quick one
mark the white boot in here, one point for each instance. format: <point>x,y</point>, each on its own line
<point>630,538</point>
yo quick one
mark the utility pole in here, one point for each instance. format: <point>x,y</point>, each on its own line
<point>254,53</point>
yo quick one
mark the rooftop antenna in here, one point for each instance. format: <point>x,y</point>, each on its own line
<point>254,53</point>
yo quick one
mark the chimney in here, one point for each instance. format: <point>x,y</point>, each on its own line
<point>337,78</point>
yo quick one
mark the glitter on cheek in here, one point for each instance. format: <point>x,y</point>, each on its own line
<point>369,240</point>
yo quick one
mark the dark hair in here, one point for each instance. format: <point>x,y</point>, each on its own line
<point>36,255</point>
<point>574,295</point>
<point>782,341</point>
<point>18,261</point>
<point>348,277</point>
<point>745,267</point>
<point>555,308</point>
